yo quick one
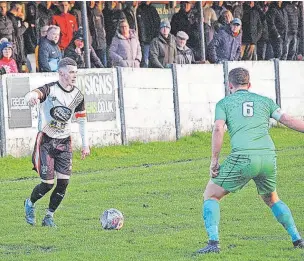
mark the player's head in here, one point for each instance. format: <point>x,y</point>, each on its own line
<point>239,78</point>
<point>67,69</point>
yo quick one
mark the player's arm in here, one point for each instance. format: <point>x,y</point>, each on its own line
<point>292,122</point>
<point>81,117</point>
<point>37,95</point>
<point>217,142</point>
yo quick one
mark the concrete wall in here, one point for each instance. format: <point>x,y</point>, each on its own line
<point>292,88</point>
<point>147,102</point>
<point>199,88</point>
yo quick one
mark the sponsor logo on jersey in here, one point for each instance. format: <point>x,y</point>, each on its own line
<point>61,113</point>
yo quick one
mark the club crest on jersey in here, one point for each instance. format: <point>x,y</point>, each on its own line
<point>61,113</point>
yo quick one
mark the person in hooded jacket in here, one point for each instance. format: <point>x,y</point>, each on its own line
<point>97,30</point>
<point>125,50</point>
<point>31,35</point>
<point>75,51</point>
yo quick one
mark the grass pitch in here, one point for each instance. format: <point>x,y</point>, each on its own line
<point>158,186</point>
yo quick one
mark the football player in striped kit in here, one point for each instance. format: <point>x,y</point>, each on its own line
<point>52,155</point>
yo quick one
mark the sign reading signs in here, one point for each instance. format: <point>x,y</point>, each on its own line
<point>19,112</point>
<point>99,95</point>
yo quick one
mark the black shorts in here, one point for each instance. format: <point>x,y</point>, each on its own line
<point>52,155</point>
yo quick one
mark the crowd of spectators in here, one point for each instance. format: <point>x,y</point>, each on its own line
<point>36,36</point>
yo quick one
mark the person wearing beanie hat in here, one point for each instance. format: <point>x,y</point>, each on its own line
<point>163,48</point>
<point>7,62</point>
<point>75,51</point>
<point>165,23</point>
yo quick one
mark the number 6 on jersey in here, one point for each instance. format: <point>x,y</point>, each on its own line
<point>248,109</point>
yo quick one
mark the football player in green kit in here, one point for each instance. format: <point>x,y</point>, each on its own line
<point>253,156</point>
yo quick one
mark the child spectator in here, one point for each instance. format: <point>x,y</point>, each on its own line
<point>6,61</point>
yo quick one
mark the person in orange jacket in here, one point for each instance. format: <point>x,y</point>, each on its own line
<point>67,23</point>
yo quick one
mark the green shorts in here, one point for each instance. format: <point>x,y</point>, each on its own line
<point>238,170</point>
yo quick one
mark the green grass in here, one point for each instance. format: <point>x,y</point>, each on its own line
<point>158,186</point>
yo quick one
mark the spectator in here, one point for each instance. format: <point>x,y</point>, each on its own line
<point>20,27</point>
<point>112,15</point>
<point>130,13</point>
<point>75,7</point>
<point>226,44</point>
<point>252,31</point>
<point>125,49</point>
<point>163,48</point>
<point>67,23</point>
<point>264,49</point>
<point>45,13</point>
<point>210,18</point>
<point>43,34</point>
<point>277,21</point>
<point>180,21</point>
<point>31,36</point>
<point>6,24</point>
<point>194,41</point>
<point>218,8</point>
<point>49,53</point>
<point>75,51</point>
<point>6,61</point>
<point>148,22</point>
<point>97,30</point>
<point>184,53</point>
<point>237,9</point>
<point>290,45</point>
<point>224,20</point>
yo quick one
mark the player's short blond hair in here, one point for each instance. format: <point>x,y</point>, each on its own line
<point>239,76</point>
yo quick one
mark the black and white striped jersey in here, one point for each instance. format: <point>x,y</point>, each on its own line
<point>57,107</point>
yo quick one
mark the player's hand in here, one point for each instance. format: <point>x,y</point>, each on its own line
<point>85,152</point>
<point>214,169</point>
<point>32,98</point>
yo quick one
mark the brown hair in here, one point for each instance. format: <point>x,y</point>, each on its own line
<point>239,76</point>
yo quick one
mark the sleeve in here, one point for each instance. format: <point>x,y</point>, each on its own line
<point>139,53</point>
<point>153,54</point>
<point>43,92</point>
<point>113,51</point>
<point>212,48</point>
<point>43,57</point>
<point>275,110</point>
<point>80,111</point>
<point>94,58</point>
<point>271,23</point>
<point>80,115</point>
<point>220,113</point>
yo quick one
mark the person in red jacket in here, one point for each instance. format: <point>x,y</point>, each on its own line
<point>67,23</point>
<point>6,61</point>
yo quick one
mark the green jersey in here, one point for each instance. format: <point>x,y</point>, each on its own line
<point>247,118</point>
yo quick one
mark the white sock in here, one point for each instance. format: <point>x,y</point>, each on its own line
<point>30,203</point>
<point>49,213</point>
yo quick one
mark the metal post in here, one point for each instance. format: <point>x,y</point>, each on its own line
<point>277,81</point>
<point>202,31</point>
<point>176,103</point>
<point>85,26</point>
<point>2,123</point>
<point>121,107</point>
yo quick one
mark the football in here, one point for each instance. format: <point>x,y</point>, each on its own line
<point>112,219</point>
